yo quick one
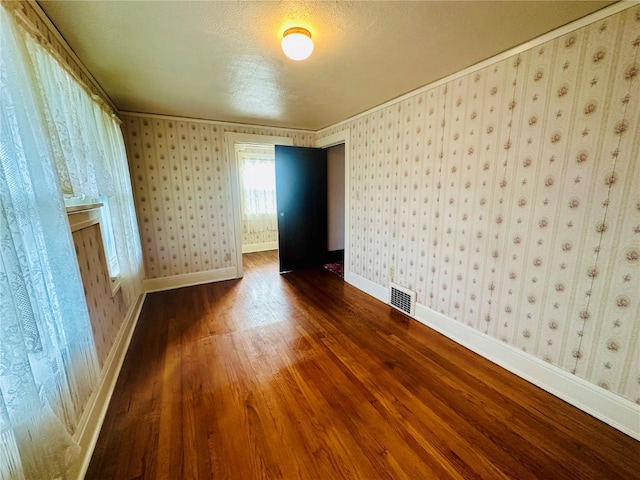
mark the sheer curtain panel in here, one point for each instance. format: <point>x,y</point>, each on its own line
<point>48,364</point>
<point>89,157</point>
<point>123,214</point>
<point>71,128</point>
<point>258,189</point>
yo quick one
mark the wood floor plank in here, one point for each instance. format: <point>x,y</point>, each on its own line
<point>301,376</point>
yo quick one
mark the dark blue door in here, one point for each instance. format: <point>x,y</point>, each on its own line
<point>301,193</point>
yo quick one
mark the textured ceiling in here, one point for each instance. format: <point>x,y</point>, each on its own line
<point>222,60</point>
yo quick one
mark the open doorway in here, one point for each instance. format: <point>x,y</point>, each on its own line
<point>335,209</point>
<point>337,146</point>
<point>238,140</point>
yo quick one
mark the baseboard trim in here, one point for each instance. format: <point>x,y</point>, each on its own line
<point>259,247</point>
<point>614,410</point>
<point>188,279</point>
<point>620,413</point>
<point>96,409</point>
<point>367,286</point>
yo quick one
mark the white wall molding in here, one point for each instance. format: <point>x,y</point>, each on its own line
<point>188,279</point>
<point>558,32</point>
<point>96,408</point>
<point>126,113</point>
<point>620,413</point>
<point>612,409</point>
<point>259,247</point>
<point>369,287</point>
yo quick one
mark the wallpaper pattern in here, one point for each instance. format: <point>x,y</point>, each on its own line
<point>182,190</point>
<point>257,238</point>
<point>106,311</point>
<point>509,199</point>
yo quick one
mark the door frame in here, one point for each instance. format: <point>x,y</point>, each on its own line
<point>232,139</point>
<point>344,136</point>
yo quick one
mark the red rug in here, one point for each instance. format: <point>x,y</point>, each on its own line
<point>336,267</point>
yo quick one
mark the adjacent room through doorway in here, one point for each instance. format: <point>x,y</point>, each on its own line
<point>257,207</point>
<point>256,172</point>
<point>335,209</point>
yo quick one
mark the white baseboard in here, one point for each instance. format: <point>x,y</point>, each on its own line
<point>189,279</point>
<point>96,408</point>
<point>620,413</point>
<point>259,247</point>
<point>614,410</point>
<point>367,286</point>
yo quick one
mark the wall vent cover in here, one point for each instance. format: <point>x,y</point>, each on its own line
<point>403,299</point>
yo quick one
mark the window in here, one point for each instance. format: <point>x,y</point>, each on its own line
<point>259,185</point>
<point>108,240</point>
<point>101,204</point>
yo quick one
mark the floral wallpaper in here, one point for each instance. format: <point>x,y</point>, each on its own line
<point>250,238</point>
<point>182,190</point>
<point>106,311</point>
<point>509,199</point>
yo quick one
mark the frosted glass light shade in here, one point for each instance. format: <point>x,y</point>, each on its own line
<point>297,43</point>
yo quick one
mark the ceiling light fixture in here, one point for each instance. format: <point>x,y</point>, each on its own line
<point>297,43</point>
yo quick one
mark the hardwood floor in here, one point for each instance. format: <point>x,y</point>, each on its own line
<point>302,376</point>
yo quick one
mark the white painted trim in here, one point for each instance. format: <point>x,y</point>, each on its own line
<point>96,408</point>
<point>614,410</point>
<point>85,216</point>
<point>620,413</point>
<point>332,140</point>
<point>213,122</point>
<point>79,220</point>
<point>231,139</point>
<point>369,287</point>
<point>259,247</point>
<point>188,279</point>
<point>558,32</point>
<point>343,136</point>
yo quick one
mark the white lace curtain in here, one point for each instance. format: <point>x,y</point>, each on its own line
<point>89,156</point>
<point>123,215</point>
<point>54,139</point>
<point>79,159</point>
<point>48,365</point>
<point>258,189</point>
